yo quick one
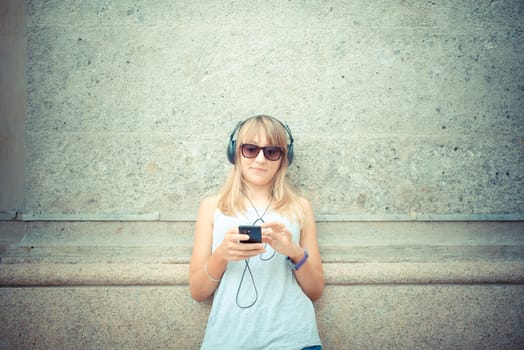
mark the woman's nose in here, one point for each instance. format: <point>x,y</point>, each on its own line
<point>260,156</point>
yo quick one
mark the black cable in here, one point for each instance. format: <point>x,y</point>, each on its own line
<point>265,244</point>
<point>247,268</point>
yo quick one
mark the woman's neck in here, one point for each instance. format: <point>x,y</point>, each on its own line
<point>259,197</point>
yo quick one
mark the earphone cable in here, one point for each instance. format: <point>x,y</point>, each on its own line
<point>246,268</point>
<point>261,219</point>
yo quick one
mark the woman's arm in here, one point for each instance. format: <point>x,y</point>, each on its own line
<point>310,276</point>
<point>206,268</point>
<point>203,283</point>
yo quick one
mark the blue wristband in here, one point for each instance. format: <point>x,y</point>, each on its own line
<point>300,263</point>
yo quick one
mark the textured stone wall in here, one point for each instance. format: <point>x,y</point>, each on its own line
<point>372,317</point>
<point>12,106</point>
<point>396,107</point>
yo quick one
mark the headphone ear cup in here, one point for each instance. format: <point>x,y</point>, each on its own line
<point>290,154</point>
<point>231,150</point>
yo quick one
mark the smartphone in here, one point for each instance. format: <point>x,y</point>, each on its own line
<point>254,232</point>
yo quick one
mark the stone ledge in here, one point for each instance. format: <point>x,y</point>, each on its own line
<point>111,254</point>
<point>331,253</point>
<point>99,274</point>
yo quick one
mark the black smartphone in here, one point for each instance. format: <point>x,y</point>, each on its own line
<point>254,232</point>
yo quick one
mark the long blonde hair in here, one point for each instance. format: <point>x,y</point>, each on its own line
<point>285,200</point>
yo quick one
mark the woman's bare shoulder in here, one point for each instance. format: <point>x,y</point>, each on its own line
<point>208,204</point>
<point>304,203</point>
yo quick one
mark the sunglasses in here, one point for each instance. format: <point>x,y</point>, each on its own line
<point>272,153</point>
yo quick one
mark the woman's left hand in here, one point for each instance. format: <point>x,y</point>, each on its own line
<point>279,238</point>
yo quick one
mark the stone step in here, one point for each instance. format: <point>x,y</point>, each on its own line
<point>131,274</point>
<point>138,253</point>
<point>341,253</point>
<point>329,233</point>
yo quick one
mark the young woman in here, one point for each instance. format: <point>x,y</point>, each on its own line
<point>263,292</point>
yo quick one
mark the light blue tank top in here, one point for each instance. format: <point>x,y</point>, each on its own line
<point>282,317</point>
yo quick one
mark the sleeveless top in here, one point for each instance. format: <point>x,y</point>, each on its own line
<point>282,316</point>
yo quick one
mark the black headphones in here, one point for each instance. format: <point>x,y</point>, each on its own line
<point>232,146</point>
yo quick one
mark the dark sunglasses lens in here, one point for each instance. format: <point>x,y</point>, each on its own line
<point>273,153</point>
<point>250,151</point>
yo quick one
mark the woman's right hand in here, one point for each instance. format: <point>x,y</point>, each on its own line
<point>232,249</point>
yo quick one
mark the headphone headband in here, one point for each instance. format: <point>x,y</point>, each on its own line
<point>232,147</point>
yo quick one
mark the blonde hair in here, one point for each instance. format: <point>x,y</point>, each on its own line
<point>285,200</point>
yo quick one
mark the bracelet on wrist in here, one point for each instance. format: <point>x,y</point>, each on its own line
<point>208,275</point>
<point>298,265</point>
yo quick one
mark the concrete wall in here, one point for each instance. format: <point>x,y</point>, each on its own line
<point>375,318</point>
<point>396,108</point>
<point>12,108</point>
<point>409,130</point>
